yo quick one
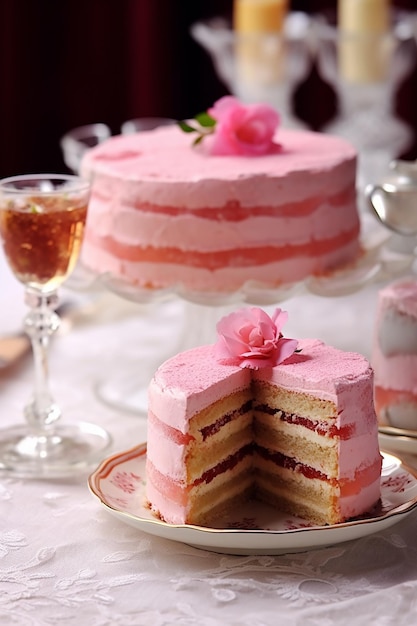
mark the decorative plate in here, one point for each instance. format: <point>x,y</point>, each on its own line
<point>119,484</point>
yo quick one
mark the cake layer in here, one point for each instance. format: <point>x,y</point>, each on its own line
<point>200,502</point>
<point>182,456</point>
<point>228,278</point>
<point>151,227</point>
<point>242,254</point>
<point>287,420</point>
<point>165,213</point>
<point>313,503</point>
<point>299,440</point>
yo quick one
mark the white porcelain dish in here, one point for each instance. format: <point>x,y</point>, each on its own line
<point>119,484</point>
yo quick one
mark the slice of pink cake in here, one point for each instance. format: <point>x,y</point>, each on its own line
<point>301,435</point>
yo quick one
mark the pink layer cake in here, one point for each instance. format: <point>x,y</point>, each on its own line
<point>301,435</point>
<point>394,355</point>
<point>164,213</point>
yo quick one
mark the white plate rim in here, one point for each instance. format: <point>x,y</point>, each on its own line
<point>398,444</point>
<point>245,542</point>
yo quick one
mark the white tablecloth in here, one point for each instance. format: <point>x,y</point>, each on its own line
<point>65,560</point>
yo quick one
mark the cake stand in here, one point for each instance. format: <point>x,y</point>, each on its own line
<point>174,319</point>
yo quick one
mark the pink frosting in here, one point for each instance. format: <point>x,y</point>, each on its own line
<point>320,370</point>
<point>192,380</point>
<point>162,168</point>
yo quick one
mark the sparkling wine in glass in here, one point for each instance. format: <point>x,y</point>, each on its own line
<point>42,219</point>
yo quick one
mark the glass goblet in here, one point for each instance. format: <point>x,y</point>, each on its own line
<point>42,219</point>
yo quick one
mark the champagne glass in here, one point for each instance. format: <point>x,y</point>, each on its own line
<point>42,219</point>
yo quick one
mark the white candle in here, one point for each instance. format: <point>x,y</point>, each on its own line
<point>258,25</point>
<point>364,45</point>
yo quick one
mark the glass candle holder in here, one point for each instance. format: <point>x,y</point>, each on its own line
<point>365,70</point>
<point>260,67</point>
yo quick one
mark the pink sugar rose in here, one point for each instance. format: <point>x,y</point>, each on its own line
<point>250,338</point>
<point>243,129</point>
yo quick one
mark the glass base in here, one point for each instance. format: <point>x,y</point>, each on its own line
<point>64,451</point>
<point>127,390</point>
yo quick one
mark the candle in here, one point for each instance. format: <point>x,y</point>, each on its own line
<point>364,26</point>
<point>259,16</point>
<point>364,16</point>
<point>258,25</point>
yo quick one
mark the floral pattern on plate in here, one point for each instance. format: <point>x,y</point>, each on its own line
<point>119,483</point>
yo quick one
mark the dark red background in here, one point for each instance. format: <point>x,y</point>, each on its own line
<point>66,63</point>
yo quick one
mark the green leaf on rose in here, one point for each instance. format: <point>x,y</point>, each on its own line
<point>205,120</point>
<point>186,127</point>
<point>206,126</point>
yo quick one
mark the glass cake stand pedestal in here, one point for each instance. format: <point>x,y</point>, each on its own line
<point>175,319</point>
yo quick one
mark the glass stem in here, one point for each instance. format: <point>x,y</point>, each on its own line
<point>40,324</point>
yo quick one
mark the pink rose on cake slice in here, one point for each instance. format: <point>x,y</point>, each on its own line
<point>251,338</point>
